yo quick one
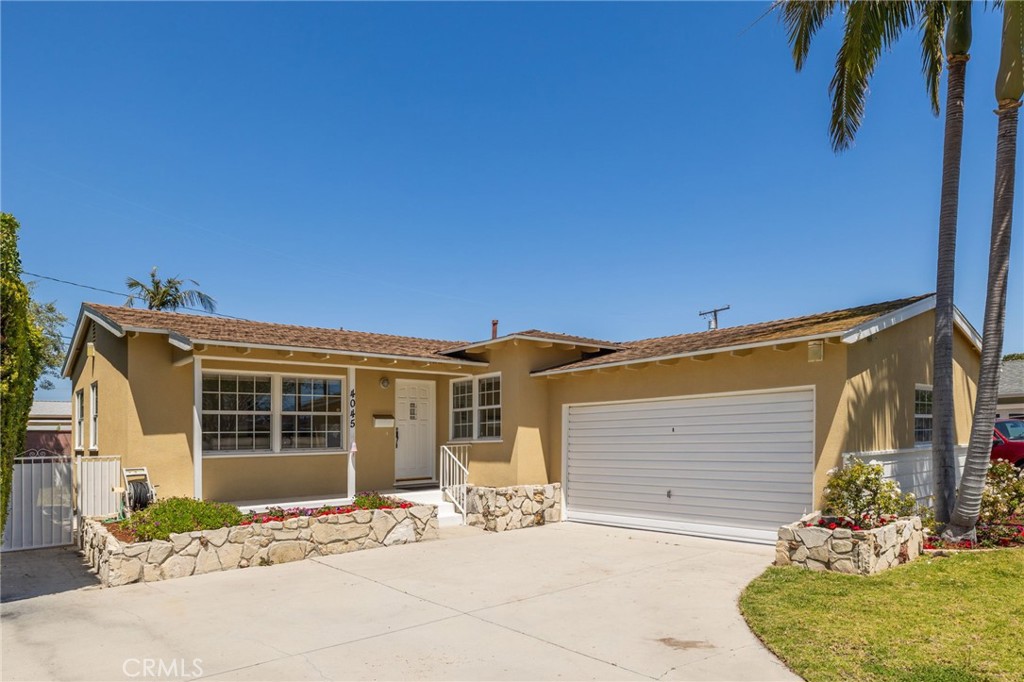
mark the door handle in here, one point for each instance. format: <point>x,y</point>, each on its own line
<point>396,437</point>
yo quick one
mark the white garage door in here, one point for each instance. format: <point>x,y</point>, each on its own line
<point>733,466</point>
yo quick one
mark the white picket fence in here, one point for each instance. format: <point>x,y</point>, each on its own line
<point>911,468</point>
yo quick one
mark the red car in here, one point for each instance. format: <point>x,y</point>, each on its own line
<point>1008,441</point>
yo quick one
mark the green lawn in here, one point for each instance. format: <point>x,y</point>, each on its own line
<point>953,618</point>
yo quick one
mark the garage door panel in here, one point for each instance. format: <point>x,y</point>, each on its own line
<point>743,461</point>
<point>746,514</point>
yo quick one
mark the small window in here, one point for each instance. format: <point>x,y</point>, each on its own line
<point>236,413</point>
<point>94,416</point>
<point>311,413</point>
<point>79,419</point>
<point>476,408</point>
<point>923,415</point>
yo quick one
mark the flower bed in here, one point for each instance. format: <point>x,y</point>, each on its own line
<point>259,541</point>
<point>824,543</point>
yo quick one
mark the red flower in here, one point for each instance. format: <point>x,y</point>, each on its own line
<point>856,528</point>
<point>832,526</point>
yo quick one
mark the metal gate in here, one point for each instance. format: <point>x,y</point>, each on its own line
<point>42,506</point>
<point>98,477</point>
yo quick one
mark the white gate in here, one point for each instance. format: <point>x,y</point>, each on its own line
<point>97,479</point>
<point>42,509</point>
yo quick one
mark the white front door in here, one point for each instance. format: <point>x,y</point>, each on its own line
<point>414,430</point>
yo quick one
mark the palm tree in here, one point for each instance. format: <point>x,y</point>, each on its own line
<point>871,27</point>
<point>168,294</point>
<point>1009,90</point>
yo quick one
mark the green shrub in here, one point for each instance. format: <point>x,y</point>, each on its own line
<point>180,515</point>
<point>859,491</point>
<point>1003,498</point>
<point>374,500</point>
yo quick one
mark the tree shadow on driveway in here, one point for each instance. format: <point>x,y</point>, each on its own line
<point>36,572</point>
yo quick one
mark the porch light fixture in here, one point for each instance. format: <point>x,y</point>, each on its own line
<point>385,382</point>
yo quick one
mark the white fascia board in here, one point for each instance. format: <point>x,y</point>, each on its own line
<point>538,339</point>
<point>967,328</point>
<point>338,351</point>
<point>883,322</point>
<point>673,356</point>
<point>179,341</point>
<point>86,313</point>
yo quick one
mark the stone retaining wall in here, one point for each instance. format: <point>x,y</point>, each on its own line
<point>863,552</point>
<point>259,544</point>
<point>519,506</point>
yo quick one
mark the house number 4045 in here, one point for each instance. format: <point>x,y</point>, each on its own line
<point>352,409</point>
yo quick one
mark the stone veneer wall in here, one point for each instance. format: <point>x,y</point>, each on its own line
<point>518,506</point>
<point>259,544</point>
<point>863,552</point>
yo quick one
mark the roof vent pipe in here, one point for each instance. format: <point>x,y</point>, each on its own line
<point>494,329</point>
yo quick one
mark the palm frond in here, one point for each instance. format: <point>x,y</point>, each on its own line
<point>870,28</point>
<point>194,298</point>
<point>803,19</point>
<point>934,16</point>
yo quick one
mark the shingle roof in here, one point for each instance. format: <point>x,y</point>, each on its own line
<point>539,334</point>
<point>50,408</point>
<point>1011,378</point>
<point>833,322</point>
<point>213,329</point>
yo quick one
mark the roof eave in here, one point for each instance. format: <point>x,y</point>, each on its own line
<point>689,354</point>
<point>337,351</point>
<point>85,312</point>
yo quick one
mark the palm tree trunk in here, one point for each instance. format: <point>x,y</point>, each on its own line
<point>1009,90</point>
<point>943,416</point>
<point>972,483</point>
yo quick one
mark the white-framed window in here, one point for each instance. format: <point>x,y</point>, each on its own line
<point>922,414</point>
<point>271,413</point>
<point>94,416</point>
<point>79,419</point>
<point>476,408</point>
<point>311,413</point>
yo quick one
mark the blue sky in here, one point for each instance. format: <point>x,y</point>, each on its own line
<point>598,169</point>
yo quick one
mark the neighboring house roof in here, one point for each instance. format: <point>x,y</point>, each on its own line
<point>538,335</point>
<point>50,409</point>
<point>1011,379</point>
<point>852,324</point>
<point>188,329</point>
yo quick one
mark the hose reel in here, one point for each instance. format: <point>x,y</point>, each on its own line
<point>139,492</point>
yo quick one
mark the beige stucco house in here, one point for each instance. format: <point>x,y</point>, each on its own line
<point>727,432</point>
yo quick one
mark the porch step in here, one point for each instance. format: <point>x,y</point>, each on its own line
<point>447,515</point>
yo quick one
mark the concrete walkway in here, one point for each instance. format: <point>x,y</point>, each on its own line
<point>564,601</point>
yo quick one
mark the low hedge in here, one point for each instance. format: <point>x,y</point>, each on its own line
<point>180,515</point>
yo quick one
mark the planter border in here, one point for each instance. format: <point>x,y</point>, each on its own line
<point>513,507</point>
<point>858,552</point>
<point>257,544</point>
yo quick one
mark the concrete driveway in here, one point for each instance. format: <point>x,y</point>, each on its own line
<point>564,601</point>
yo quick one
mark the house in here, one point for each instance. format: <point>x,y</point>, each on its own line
<point>727,432</point>
<point>49,427</point>
<point>1011,388</point>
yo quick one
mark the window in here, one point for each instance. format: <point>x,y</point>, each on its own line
<point>476,408</point>
<point>310,413</point>
<point>94,416</point>
<point>79,419</point>
<point>236,413</point>
<point>922,415</point>
<point>462,409</point>
<point>272,413</point>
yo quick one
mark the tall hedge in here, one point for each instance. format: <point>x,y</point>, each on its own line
<point>21,358</point>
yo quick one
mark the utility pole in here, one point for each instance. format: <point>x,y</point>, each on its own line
<point>712,316</point>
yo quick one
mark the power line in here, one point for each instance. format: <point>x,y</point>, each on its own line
<point>120,293</point>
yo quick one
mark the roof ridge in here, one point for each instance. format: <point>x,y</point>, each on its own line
<point>906,301</point>
<point>101,306</point>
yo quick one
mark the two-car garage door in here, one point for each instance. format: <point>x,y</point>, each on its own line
<point>731,465</point>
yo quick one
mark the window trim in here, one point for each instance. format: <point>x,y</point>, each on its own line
<point>475,408</point>
<point>920,415</point>
<point>80,419</point>
<point>276,382</point>
<point>94,416</point>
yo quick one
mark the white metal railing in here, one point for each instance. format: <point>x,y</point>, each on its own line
<point>911,468</point>
<point>42,510</point>
<point>98,478</point>
<point>454,474</point>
